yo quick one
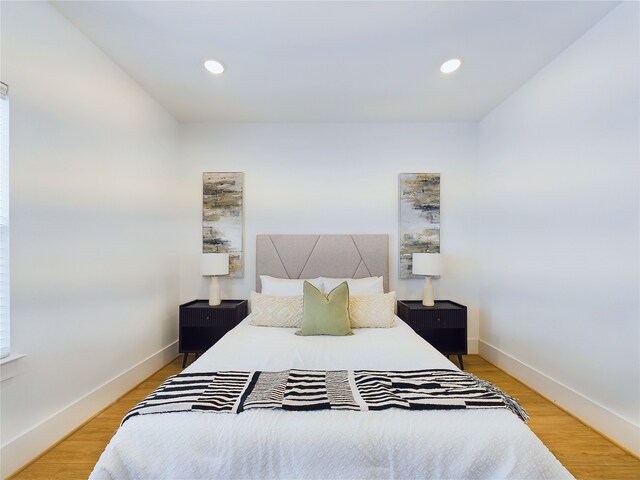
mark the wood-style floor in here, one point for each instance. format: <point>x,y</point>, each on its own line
<point>582,451</point>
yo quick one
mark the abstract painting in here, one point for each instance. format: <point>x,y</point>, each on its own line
<point>222,217</point>
<point>419,217</point>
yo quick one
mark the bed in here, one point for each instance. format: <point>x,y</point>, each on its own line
<point>266,443</point>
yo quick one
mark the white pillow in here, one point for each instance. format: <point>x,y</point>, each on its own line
<point>357,286</point>
<point>285,287</point>
<point>372,311</point>
<point>270,311</point>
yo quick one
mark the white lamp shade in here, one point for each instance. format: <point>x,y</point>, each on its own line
<point>426,264</point>
<point>215,264</point>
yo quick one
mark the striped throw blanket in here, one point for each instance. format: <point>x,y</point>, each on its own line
<point>359,390</point>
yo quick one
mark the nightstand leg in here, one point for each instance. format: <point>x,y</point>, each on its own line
<point>184,360</point>
<point>460,362</point>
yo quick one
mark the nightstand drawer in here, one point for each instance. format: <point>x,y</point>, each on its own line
<point>438,319</point>
<point>202,317</point>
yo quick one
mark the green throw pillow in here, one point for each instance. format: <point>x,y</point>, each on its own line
<point>325,315</point>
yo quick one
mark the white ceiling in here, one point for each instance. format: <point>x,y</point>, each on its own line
<point>332,61</point>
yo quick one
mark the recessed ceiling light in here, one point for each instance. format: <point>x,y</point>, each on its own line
<point>214,66</point>
<point>450,65</point>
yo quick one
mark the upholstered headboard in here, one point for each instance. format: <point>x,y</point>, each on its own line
<point>310,256</point>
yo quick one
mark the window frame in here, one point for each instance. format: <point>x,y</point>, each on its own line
<point>5,297</point>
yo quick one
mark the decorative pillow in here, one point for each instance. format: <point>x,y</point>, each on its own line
<point>373,311</point>
<point>286,287</point>
<point>325,315</point>
<point>272,311</point>
<point>357,286</point>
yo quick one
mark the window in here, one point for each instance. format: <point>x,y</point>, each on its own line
<point>4,221</point>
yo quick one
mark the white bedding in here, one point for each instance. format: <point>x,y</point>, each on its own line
<point>261,444</point>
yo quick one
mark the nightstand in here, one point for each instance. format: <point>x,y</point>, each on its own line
<point>202,325</point>
<point>444,325</point>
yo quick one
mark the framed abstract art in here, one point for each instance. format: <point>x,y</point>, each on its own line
<point>223,217</point>
<point>419,212</point>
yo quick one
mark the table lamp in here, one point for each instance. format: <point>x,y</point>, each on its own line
<point>428,264</point>
<point>214,264</point>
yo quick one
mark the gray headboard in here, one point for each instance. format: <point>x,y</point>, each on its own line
<point>310,256</point>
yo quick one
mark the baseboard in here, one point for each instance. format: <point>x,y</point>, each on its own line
<point>472,346</point>
<point>606,422</point>
<point>19,451</point>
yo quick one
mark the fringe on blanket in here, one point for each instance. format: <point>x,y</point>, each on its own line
<point>510,402</point>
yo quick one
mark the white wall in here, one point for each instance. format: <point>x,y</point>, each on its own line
<point>559,235</point>
<point>93,250</point>
<point>333,178</point>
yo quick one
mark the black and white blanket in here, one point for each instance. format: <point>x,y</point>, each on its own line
<point>359,390</point>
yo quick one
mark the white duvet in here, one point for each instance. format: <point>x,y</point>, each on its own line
<point>263,444</point>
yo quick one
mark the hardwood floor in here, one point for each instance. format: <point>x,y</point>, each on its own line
<point>586,454</point>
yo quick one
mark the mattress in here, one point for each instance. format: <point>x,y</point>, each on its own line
<point>261,444</point>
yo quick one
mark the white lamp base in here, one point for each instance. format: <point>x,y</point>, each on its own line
<point>214,292</point>
<point>427,292</point>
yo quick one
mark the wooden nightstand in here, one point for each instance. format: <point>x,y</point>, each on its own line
<point>202,325</point>
<point>444,325</point>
